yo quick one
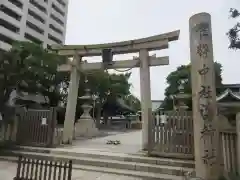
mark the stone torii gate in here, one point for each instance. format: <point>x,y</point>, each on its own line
<point>144,61</point>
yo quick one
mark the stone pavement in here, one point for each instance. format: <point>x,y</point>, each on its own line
<point>8,171</point>
<point>131,143</point>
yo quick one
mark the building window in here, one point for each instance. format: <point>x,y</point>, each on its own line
<point>36,16</point>
<point>6,39</point>
<point>34,27</point>
<point>54,39</point>
<point>57,19</point>
<point>55,29</point>
<point>57,9</point>
<point>33,39</point>
<point>41,8</point>
<point>10,12</point>
<point>9,26</point>
<point>16,3</point>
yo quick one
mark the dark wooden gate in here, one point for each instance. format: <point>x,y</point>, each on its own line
<point>36,127</point>
<point>173,138</point>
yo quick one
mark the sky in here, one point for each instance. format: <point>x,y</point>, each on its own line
<point>101,21</point>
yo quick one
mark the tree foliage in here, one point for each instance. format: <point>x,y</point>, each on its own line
<point>133,102</point>
<point>31,68</point>
<point>233,33</point>
<point>184,73</point>
<point>107,87</point>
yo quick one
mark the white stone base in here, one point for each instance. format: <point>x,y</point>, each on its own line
<point>86,128</point>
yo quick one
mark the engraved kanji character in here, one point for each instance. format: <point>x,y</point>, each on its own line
<point>205,92</point>
<point>204,70</point>
<point>203,50</point>
<point>203,110</point>
<point>209,156</point>
<point>203,29</point>
<point>209,130</point>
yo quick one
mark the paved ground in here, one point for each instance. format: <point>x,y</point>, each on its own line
<point>131,142</point>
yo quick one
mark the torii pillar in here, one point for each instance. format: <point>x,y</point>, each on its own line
<point>146,103</point>
<point>144,61</point>
<point>71,101</point>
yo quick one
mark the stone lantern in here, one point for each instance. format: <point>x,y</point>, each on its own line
<point>181,96</point>
<point>85,126</point>
<point>87,99</point>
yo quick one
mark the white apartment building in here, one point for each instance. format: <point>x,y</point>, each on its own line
<point>39,21</point>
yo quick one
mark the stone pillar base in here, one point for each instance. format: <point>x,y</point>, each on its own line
<point>86,128</point>
<point>137,125</point>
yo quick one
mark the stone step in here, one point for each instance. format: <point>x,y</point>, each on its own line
<point>109,163</point>
<point>97,153</point>
<point>132,173</point>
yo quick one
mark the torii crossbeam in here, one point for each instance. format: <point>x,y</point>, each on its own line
<point>144,61</point>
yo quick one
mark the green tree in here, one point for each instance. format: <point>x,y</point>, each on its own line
<point>104,85</point>
<point>33,69</point>
<point>10,75</point>
<point>108,87</point>
<point>184,73</point>
<point>233,33</point>
<point>133,102</point>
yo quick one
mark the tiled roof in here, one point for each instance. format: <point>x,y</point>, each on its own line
<point>229,92</point>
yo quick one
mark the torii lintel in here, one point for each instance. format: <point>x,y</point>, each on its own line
<point>156,42</point>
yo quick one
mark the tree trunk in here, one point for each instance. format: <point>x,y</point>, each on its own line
<point>98,118</point>
<point>105,118</point>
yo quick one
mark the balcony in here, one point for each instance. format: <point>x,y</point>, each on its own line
<point>36,22</point>
<point>54,39</point>
<point>10,34</point>
<point>35,34</point>
<point>36,17</point>
<point>13,7</point>
<point>10,19</point>
<point>55,34</point>
<point>37,11</point>
<point>60,16</point>
<point>60,6</point>
<point>17,3</point>
<point>50,42</point>
<point>56,24</point>
<point>42,3</point>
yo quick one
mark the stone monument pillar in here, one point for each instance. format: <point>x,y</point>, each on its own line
<point>85,126</point>
<point>206,135</point>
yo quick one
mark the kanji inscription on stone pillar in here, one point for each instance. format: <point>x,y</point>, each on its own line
<point>206,135</point>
